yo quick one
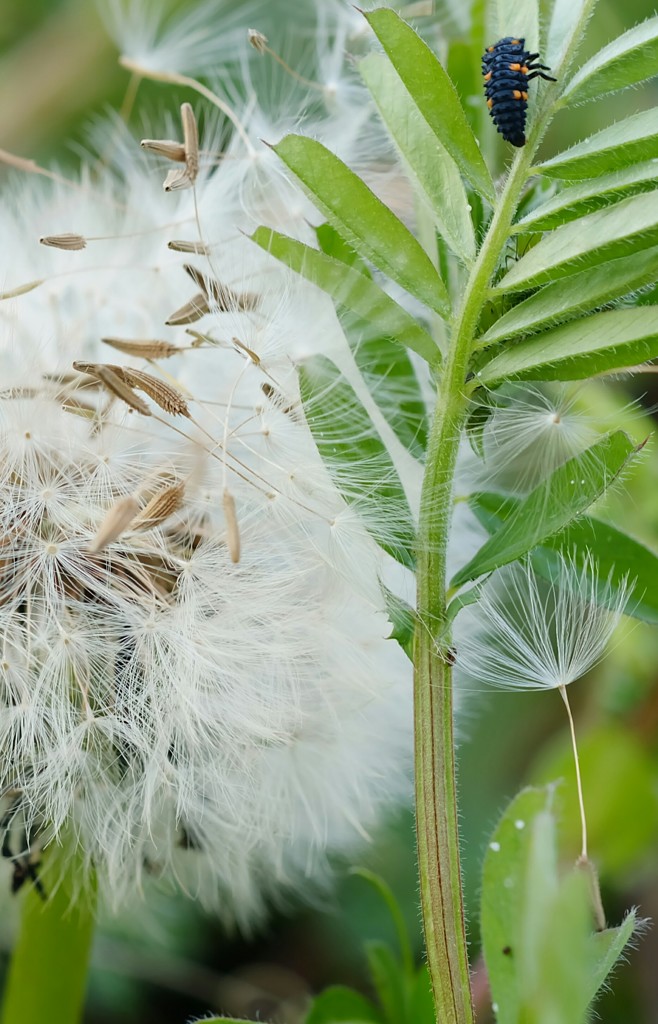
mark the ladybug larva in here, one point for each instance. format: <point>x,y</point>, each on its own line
<point>507,68</point>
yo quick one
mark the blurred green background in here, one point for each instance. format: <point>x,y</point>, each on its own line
<point>58,69</point>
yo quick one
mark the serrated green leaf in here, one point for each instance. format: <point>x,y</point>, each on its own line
<point>599,343</point>
<point>356,457</point>
<point>463,600</point>
<point>577,294</point>
<point>503,911</point>
<point>433,93</point>
<point>622,144</point>
<point>590,195</point>
<point>351,290</point>
<point>226,1020</point>
<point>607,234</point>
<point>627,60</point>
<point>342,1005</point>
<point>403,620</point>
<point>428,164</point>
<point>391,379</point>
<point>518,19</point>
<point>389,981</point>
<point>365,223</point>
<point>552,505</point>
<point>620,560</point>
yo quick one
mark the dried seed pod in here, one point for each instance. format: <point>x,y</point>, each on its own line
<point>163,504</point>
<point>146,349</point>
<point>67,242</point>
<point>232,530</point>
<point>190,312</point>
<point>163,394</point>
<point>115,522</point>
<point>257,40</point>
<point>177,180</point>
<point>198,248</point>
<point>21,289</point>
<point>115,383</point>
<point>191,139</point>
<point>167,148</point>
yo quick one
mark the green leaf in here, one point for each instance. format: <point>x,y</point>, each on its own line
<point>365,223</point>
<point>333,245</point>
<point>429,166</point>
<point>422,1001</point>
<point>608,947</point>
<point>403,619</point>
<point>607,234</point>
<point>389,981</point>
<point>587,196</point>
<point>356,457</point>
<point>433,93</point>
<point>503,910</point>
<point>518,19</point>
<point>552,505</point>
<point>597,344</point>
<point>350,290</point>
<point>565,17</point>
<point>620,560</point>
<point>391,379</point>
<point>629,59</point>
<point>342,1005</point>
<point>576,294</point>
<point>624,143</point>
<point>226,1020</point>
<point>397,917</point>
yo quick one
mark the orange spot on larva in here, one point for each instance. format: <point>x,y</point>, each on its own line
<point>490,104</point>
<point>515,67</point>
<point>487,77</point>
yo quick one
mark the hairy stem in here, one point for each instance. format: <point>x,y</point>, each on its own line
<point>436,804</point>
<point>48,969</point>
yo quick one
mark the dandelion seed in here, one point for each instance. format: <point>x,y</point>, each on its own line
<point>144,349</point>
<point>232,530</point>
<point>528,633</point>
<point>67,242</point>
<point>167,148</point>
<point>198,248</point>
<point>116,521</point>
<point>190,312</point>
<point>161,506</point>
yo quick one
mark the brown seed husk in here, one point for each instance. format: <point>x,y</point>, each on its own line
<point>178,180</point>
<point>191,139</point>
<point>167,148</point>
<point>232,530</point>
<point>21,289</point>
<point>146,349</point>
<point>224,297</point>
<point>117,385</point>
<point>115,522</point>
<point>198,248</point>
<point>163,504</point>
<point>164,395</point>
<point>190,312</point>
<point>68,242</point>
<point>257,40</point>
<point>279,400</point>
<point>255,358</point>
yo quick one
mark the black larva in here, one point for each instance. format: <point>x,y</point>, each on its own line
<point>507,68</point>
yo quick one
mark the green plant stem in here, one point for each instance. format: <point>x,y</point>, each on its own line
<point>436,804</point>
<point>48,969</point>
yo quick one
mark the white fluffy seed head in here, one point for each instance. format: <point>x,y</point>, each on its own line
<point>528,632</point>
<point>223,723</point>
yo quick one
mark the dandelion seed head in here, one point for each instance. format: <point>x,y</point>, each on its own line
<point>527,632</point>
<point>220,719</point>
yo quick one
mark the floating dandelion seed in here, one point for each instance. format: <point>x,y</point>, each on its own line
<point>528,633</point>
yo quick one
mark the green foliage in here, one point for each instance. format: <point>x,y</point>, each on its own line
<point>356,457</point>
<point>630,59</point>
<point>402,990</point>
<point>433,93</point>
<point>581,349</point>
<point>552,505</point>
<point>620,560</point>
<point>623,143</point>
<point>544,963</point>
<point>350,289</point>
<point>362,219</point>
